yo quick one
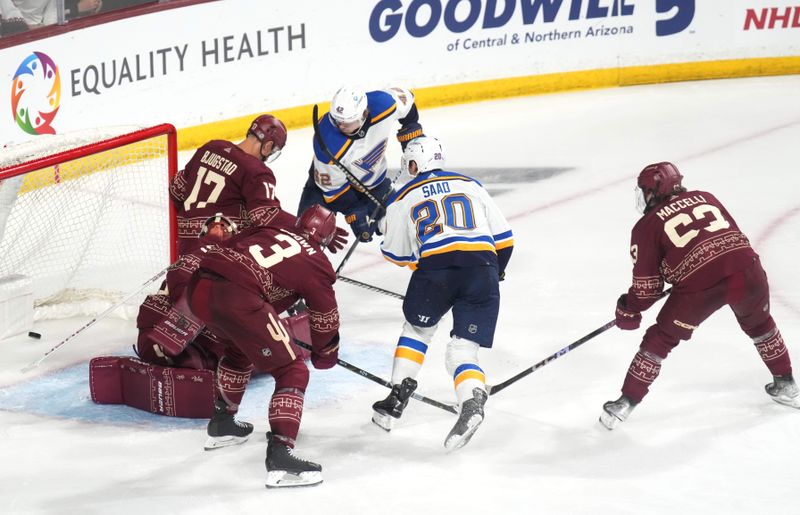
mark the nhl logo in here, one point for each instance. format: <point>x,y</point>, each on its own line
<point>472,328</point>
<point>266,352</point>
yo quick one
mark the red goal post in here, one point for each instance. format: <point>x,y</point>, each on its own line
<point>86,217</point>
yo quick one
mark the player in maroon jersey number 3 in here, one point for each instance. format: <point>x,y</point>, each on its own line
<point>237,291</point>
<point>688,239</point>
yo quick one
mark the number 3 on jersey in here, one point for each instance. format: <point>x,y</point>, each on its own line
<point>457,210</point>
<point>279,252</point>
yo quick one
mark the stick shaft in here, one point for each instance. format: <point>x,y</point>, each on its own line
<point>372,377</point>
<point>96,319</point>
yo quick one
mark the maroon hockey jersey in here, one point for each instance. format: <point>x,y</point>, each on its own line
<point>281,267</point>
<point>689,241</point>
<point>221,178</point>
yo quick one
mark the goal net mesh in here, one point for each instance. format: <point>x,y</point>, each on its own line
<point>86,216</point>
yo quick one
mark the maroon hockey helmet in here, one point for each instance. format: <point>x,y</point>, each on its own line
<point>659,181</point>
<point>268,128</point>
<point>317,224</point>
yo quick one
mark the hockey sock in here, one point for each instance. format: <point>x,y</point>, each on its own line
<point>408,358</point>
<point>285,411</point>
<point>773,352</point>
<point>643,370</point>
<point>466,377</point>
<point>231,383</point>
<point>461,360</point>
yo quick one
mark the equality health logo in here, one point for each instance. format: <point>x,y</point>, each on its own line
<point>36,94</point>
<point>421,17</point>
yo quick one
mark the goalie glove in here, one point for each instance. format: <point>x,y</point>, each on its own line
<point>626,319</point>
<point>409,132</point>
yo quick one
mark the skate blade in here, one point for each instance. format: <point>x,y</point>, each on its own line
<point>385,422</point>
<point>455,442</point>
<point>792,402</point>
<point>218,442</point>
<point>286,479</point>
<point>608,420</point>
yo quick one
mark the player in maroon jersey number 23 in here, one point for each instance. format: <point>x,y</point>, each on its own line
<point>688,239</point>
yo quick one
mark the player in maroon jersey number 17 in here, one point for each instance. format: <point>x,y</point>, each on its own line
<point>688,239</point>
<point>234,179</point>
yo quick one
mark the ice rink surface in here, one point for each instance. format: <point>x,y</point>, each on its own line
<point>706,440</point>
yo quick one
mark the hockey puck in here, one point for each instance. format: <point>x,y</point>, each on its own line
<point>34,335</point>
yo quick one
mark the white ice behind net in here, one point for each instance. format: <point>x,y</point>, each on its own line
<point>90,231</point>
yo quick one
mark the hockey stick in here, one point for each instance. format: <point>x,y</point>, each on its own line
<point>346,257</point>
<point>96,319</point>
<point>370,287</point>
<point>493,389</point>
<point>375,379</point>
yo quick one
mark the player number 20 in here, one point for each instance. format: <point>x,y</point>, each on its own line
<point>457,210</point>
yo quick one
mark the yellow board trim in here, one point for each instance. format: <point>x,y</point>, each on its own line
<point>190,138</point>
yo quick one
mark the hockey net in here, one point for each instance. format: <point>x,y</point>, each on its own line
<point>87,217</point>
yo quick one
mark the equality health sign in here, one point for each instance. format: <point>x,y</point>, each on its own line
<point>215,61</point>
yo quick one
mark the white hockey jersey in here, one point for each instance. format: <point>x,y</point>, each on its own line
<point>365,157</point>
<point>442,219</point>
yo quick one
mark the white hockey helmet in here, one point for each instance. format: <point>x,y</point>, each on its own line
<point>426,152</point>
<point>349,109</point>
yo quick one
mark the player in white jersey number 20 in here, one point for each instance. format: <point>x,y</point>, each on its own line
<point>446,228</point>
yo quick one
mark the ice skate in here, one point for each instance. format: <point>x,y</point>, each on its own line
<point>224,430</point>
<point>469,420</point>
<point>284,469</point>
<point>616,411</point>
<point>784,390</point>
<point>391,408</point>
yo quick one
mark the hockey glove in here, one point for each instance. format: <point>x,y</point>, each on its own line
<point>626,319</point>
<point>338,241</point>
<point>359,223</point>
<point>327,356</point>
<point>409,132</point>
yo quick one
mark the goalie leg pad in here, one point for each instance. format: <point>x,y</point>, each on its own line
<point>174,392</point>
